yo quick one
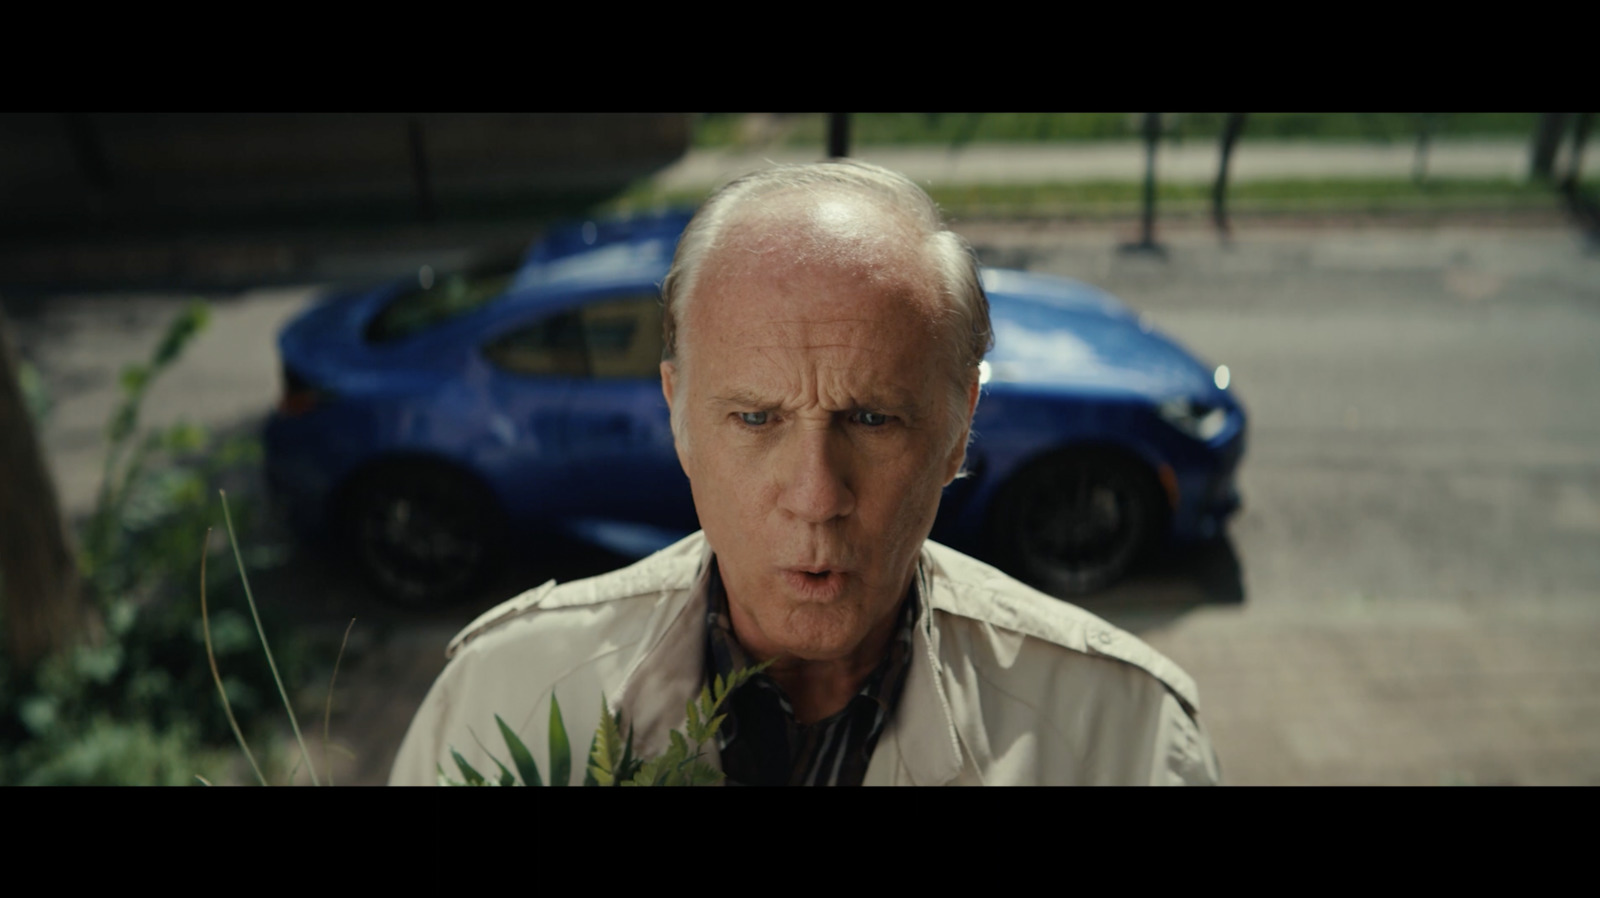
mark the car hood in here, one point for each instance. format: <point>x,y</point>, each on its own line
<point>1056,332</point>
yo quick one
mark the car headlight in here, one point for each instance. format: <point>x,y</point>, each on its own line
<point>1197,419</point>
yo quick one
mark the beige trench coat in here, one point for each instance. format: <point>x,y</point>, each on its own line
<point>1007,686</point>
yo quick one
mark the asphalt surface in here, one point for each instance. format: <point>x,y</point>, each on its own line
<point>1410,595</point>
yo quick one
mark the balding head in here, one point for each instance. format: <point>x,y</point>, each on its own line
<point>859,218</point>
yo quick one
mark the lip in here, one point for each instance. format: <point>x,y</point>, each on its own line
<point>812,588</point>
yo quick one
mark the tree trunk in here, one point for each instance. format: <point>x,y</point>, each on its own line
<point>44,610</point>
<point>1546,142</point>
<point>838,135</point>
<point>1580,134</point>
<point>1426,123</point>
<point>1232,127</point>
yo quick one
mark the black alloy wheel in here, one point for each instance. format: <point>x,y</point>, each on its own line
<point>1073,524</point>
<point>425,535</point>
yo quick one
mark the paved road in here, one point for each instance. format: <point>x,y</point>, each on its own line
<point>1421,587</point>
<point>1411,594</point>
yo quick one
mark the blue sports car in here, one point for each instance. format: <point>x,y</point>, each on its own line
<point>437,421</point>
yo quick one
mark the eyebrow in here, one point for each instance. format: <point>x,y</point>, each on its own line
<point>879,403</point>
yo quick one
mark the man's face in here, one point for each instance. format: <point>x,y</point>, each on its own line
<point>816,422</point>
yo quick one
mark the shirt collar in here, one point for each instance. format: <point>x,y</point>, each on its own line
<point>919,745</point>
<point>883,685</point>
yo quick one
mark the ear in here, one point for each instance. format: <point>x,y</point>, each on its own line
<point>669,376</point>
<point>958,454</point>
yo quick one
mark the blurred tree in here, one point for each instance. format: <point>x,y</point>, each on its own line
<point>43,605</point>
<point>1232,127</point>
<point>1147,230</point>
<point>969,129</point>
<point>838,135</point>
<point>1580,134</point>
<point>1427,123</point>
<point>1585,208</point>
<point>1546,142</point>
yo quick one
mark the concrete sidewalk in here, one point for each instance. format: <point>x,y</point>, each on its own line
<point>1406,698</point>
<point>1190,162</point>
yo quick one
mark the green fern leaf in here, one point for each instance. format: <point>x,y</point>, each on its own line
<point>507,778</point>
<point>714,726</point>
<point>605,754</point>
<point>520,755</point>
<point>648,773</point>
<point>703,774</point>
<point>609,750</point>
<point>472,777</point>
<point>560,747</point>
<point>628,768</point>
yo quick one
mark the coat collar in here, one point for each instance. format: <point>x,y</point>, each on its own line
<point>920,746</point>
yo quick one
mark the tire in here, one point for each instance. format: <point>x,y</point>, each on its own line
<point>1073,524</point>
<point>425,535</point>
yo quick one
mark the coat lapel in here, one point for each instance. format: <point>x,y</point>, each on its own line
<point>668,672</point>
<point>920,746</point>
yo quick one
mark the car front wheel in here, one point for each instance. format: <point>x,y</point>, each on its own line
<point>1073,524</point>
<point>424,535</point>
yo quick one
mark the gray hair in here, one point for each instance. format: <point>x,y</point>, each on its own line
<point>966,315</point>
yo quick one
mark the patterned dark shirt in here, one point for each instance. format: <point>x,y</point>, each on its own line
<point>761,742</point>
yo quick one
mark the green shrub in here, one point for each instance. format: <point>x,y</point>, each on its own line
<point>611,758</point>
<point>139,706</point>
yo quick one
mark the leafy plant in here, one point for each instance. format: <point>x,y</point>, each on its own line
<point>611,757</point>
<point>266,648</point>
<point>131,707</point>
<point>612,761</point>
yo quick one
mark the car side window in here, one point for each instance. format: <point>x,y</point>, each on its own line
<point>623,336</point>
<point>552,346</point>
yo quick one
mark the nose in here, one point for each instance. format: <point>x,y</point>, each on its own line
<point>817,483</point>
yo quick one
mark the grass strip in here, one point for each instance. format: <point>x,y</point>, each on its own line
<point>239,558</point>
<point>1115,199</point>
<point>216,677</point>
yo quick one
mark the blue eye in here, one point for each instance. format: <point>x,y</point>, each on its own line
<point>872,419</point>
<point>753,419</point>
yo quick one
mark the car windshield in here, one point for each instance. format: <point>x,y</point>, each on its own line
<point>436,298</point>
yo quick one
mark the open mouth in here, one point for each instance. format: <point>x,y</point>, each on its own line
<point>816,583</point>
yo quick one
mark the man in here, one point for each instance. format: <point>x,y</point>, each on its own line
<point>823,338</point>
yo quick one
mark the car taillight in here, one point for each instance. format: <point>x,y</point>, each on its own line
<point>299,395</point>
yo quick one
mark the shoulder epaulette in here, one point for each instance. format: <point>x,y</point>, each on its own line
<point>499,614</point>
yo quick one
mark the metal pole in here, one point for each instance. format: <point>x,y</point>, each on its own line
<point>838,135</point>
<point>1152,133</point>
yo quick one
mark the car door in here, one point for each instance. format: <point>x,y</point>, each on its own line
<point>531,368</point>
<point>619,430</point>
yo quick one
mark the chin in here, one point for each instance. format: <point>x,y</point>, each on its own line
<point>814,633</point>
